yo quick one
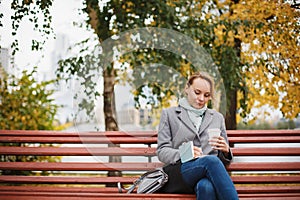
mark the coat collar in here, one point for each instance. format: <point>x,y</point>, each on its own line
<point>183,116</point>
<point>207,119</point>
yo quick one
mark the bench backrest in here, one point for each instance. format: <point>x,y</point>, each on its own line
<point>259,154</point>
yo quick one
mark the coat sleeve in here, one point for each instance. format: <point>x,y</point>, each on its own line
<point>226,160</point>
<point>165,151</point>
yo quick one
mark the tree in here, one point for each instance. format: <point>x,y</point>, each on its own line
<point>241,36</point>
<point>272,54</point>
<point>256,45</point>
<point>26,104</point>
<point>248,44</point>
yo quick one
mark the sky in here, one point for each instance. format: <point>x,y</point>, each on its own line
<point>64,13</point>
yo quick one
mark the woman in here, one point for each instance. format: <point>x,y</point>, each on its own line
<point>190,121</point>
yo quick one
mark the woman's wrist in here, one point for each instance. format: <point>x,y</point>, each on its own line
<point>227,154</point>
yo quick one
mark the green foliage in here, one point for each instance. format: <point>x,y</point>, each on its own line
<point>255,126</point>
<point>38,12</point>
<point>287,124</point>
<point>85,68</point>
<point>264,125</point>
<point>26,104</point>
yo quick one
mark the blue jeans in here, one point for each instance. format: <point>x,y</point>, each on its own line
<point>209,178</point>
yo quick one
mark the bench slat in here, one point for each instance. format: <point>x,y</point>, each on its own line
<point>262,139</point>
<point>89,166</point>
<point>265,179</point>
<point>264,166</point>
<point>102,195</point>
<point>79,151</point>
<point>65,180</point>
<point>103,180</point>
<point>269,133</point>
<point>267,151</point>
<point>78,166</point>
<point>230,133</point>
<point>45,133</point>
<point>130,197</point>
<point>79,140</point>
<point>135,151</point>
<point>268,189</point>
<point>136,140</point>
<point>241,189</point>
<point>270,197</point>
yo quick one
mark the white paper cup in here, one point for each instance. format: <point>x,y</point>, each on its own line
<point>213,133</point>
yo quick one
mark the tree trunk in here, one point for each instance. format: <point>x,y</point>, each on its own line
<point>110,111</point>
<point>109,100</point>
<point>230,119</point>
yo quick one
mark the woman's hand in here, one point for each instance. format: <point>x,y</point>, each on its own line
<point>197,152</point>
<point>219,143</point>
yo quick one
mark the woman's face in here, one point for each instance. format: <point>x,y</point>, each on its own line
<point>198,94</point>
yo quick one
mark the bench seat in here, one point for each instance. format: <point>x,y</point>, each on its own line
<point>266,164</point>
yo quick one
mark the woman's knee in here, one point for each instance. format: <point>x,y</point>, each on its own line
<point>204,188</point>
<point>205,185</point>
<point>212,160</point>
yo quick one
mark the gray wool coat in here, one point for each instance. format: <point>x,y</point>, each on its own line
<point>176,127</point>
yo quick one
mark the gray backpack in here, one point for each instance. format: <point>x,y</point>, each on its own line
<point>149,182</point>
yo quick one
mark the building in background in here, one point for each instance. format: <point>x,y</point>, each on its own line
<point>129,117</point>
<point>63,95</point>
<point>5,65</point>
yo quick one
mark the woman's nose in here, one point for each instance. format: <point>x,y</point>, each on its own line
<point>201,97</point>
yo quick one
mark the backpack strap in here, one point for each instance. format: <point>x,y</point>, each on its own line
<point>130,188</point>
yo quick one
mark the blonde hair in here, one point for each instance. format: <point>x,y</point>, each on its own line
<point>204,76</point>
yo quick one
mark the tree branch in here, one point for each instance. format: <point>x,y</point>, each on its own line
<point>92,9</point>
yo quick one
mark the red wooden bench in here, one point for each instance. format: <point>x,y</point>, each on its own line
<point>266,165</point>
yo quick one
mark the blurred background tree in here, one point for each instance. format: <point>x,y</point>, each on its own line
<point>26,104</point>
<point>269,34</point>
<point>254,44</point>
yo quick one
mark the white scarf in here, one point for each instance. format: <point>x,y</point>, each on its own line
<point>195,115</point>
